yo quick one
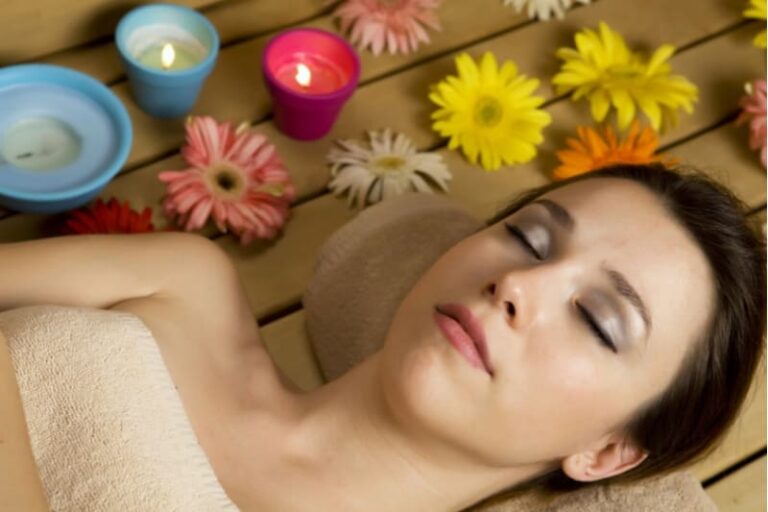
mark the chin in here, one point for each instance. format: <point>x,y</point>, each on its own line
<point>427,384</point>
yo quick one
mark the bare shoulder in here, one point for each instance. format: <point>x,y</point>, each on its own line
<point>202,299</point>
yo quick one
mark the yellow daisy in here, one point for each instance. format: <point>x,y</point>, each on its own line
<point>603,69</point>
<point>489,112</point>
<point>757,10</point>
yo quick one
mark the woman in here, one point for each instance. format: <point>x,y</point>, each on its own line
<point>608,327</point>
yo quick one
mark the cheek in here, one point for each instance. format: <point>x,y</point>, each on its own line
<point>558,400</point>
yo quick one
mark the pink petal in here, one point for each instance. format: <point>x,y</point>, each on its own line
<point>220,215</point>
<point>185,200</point>
<point>200,213</point>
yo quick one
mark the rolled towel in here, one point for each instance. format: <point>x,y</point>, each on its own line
<point>107,427</point>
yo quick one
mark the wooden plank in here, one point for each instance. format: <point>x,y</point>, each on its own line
<point>413,110</point>
<point>742,491</point>
<point>235,90</point>
<point>719,96</point>
<point>746,436</point>
<point>234,20</point>
<point>725,155</point>
<point>31,28</point>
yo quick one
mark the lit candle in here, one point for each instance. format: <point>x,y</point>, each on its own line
<point>303,76</point>
<point>310,73</point>
<point>171,56</point>
<point>168,51</point>
<point>63,136</point>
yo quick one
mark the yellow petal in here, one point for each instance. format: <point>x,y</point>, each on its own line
<point>508,71</point>
<point>600,104</point>
<point>760,40</point>
<point>659,57</point>
<point>651,110</point>
<point>625,107</point>
<point>467,69</point>
<point>488,69</point>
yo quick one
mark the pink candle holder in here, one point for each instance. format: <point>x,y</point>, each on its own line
<point>310,73</point>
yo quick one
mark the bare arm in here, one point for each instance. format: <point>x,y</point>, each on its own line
<point>20,485</point>
<point>95,270</point>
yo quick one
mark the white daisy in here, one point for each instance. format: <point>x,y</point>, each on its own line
<point>543,8</point>
<point>386,166</point>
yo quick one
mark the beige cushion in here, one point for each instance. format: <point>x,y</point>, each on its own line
<point>362,273</point>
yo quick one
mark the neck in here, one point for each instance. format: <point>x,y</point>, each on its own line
<point>346,450</point>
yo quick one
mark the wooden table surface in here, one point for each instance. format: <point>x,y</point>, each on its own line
<point>714,52</point>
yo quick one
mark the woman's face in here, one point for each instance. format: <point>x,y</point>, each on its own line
<point>599,254</point>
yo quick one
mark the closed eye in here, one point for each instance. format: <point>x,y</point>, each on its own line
<point>520,236</point>
<point>595,327</point>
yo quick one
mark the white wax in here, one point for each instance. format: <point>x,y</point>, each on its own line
<point>40,144</point>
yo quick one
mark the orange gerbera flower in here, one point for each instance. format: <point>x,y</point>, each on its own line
<point>591,151</point>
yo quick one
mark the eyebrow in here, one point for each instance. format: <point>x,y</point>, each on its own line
<point>618,280</point>
<point>626,290</point>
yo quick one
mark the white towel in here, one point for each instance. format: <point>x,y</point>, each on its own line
<point>107,426</point>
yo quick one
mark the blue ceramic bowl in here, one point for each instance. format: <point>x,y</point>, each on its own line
<point>63,137</point>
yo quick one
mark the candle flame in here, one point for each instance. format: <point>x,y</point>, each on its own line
<point>167,56</point>
<point>303,75</point>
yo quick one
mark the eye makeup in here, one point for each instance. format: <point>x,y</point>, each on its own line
<point>597,311</point>
<point>533,234</point>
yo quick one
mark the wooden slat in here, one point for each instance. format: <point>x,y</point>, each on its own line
<point>745,437</point>
<point>30,28</point>
<point>725,155</point>
<point>412,114</point>
<point>235,90</point>
<point>233,19</point>
<point>742,491</point>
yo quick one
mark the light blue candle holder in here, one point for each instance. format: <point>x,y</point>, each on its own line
<point>166,92</point>
<point>63,137</point>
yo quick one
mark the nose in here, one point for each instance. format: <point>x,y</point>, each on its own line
<point>522,293</point>
<point>509,297</point>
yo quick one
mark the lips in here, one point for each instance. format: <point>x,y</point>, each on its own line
<point>465,333</point>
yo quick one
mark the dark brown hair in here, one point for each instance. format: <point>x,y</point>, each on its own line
<point>689,419</point>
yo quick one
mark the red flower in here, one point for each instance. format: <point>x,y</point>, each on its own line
<point>111,217</point>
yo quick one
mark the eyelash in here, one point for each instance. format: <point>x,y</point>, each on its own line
<point>593,325</point>
<point>515,232</point>
<point>595,328</point>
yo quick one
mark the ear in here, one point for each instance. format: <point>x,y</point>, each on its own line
<point>610,457</point>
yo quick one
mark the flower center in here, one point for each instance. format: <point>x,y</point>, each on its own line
<point>623,75</point>
<point>390,163</point>
<point>488,111</point>
<point>226,181</point>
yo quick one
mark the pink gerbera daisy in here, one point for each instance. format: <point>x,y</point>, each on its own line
<point>398,25</point>
<point>235,176</point>
<point>753,110</point>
